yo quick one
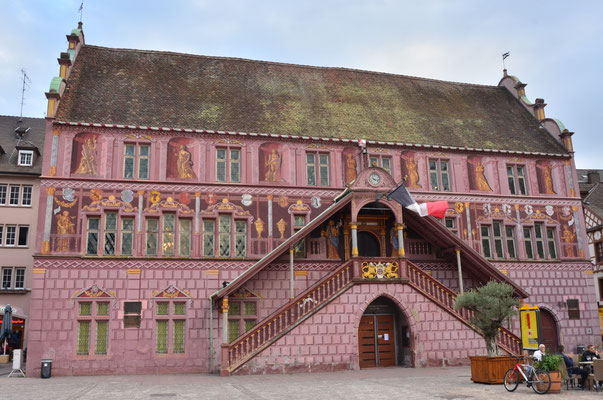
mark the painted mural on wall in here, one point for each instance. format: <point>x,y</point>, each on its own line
<point>478,169</point>
<point>272,166</point>
<point>544,173</point>
<point>180,158</point>
<point>410,170</point>
<point>84,160</point>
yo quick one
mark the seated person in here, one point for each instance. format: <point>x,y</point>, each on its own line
<point>539,353</point>
<point>572,369</point>
<point>590,354</point>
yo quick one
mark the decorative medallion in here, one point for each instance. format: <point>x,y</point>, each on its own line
<point>68,194</point>
<point>184,198</point>
<point>315,201</point>
<point>210,198</point>
<point>507,209</point>
<point>154,197</point>
<point>283,201</point>
<point>127,195</point>
<point>96,194</point>
<point>487,209</point>
<point>528,209</point>
<point>299,206</point>
<point>246,200</point>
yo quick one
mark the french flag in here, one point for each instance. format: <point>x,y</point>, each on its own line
<point>434,208</point>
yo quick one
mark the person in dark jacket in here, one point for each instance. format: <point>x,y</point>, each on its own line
<point>573,369</point>
<point>590,354</point>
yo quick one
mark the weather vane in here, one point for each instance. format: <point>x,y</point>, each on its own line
<point>81,10</point>
<point>504,56</point>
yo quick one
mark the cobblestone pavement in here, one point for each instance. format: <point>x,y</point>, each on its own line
<point>391,383</point>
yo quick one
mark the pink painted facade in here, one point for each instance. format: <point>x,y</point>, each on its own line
<point>155,222</point>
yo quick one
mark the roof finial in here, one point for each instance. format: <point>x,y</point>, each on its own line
<point>80,10</point>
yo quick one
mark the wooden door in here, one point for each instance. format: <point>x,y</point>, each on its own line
<point>385,341</point>
<point>366,342</point>
<point>548,331</point>
<point>376,341</point>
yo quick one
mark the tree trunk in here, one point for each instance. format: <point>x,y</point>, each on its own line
<point>491,346</point>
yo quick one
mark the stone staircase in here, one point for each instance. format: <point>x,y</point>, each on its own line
<point>306,304</point>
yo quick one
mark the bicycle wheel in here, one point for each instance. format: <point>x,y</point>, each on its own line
<point>542,382</point>
<point>511,380</point>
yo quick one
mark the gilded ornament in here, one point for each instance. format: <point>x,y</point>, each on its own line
<point>65,204</point>
<point>52,171</point>
<point>259,227</point>
<point>96,194</point>
<point>50,191</point>
<point>387,270</point>
<point>459,207</point>
<point>480,178</point>
<point>281,225</point>
<point>154,197</point>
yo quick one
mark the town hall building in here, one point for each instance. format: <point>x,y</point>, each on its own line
<point>210,214</point>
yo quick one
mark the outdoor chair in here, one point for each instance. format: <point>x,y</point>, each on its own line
<point>597,374</point>
<point>570,379</point>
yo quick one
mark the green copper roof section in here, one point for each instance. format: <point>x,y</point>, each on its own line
<point>76,32</point>
<point>559,124</point>
<point>55,84</point>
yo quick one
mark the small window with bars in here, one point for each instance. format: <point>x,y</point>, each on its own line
<point>132,314</point>
<point>573,308</point>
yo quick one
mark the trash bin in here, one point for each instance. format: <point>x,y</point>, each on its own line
<point>581,349</point>
<point>46,371</point>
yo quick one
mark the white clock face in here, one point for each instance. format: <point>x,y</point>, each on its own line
<point>374,179</point>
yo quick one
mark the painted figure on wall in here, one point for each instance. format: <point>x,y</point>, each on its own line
<point>332,235</point>
<point>350,168</point>
<point>480,178</point>
<point>273,166</point>
<point>64,227</point>
<point>548,180</point>
<point>88,158</point>
<point>185,165</point>
<point>412,177</point>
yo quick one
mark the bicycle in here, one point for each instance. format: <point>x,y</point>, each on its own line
<point>538,379</point>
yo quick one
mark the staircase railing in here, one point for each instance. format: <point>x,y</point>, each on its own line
<point>445,297</point>
<point>289,316</point>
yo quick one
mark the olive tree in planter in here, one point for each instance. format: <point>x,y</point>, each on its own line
<point>491,304</point>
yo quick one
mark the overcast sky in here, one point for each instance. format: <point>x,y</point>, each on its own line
<point>556,46</point>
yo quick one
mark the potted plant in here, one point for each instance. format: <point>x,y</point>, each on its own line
<point>550,363</point>
<point>491,304</point>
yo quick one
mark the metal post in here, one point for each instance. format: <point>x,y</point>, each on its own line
<point>291,274</point>
<point>460,270</point>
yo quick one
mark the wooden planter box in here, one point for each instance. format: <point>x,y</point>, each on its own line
<point>3,359</point>
<point>486,369</point>
<point>555,382</point>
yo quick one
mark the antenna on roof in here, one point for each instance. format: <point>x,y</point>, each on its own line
<point>504,56</point>
<point>81,10</point>
<point>26,82</point>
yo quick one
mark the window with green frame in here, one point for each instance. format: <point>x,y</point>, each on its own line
<point>242,316</point>
<point>93,318</point>
<point>170,327</point>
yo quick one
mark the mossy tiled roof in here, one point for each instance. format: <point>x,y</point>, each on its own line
<point>149,88</point>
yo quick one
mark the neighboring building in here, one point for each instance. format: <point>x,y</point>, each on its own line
<point>591,192</point>
<point>21,144</point>
<point>204,224</point>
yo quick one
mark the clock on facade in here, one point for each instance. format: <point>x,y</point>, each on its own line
<point>374,179</point>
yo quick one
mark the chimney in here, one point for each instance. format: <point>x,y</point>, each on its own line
<point>539,109</point>
<point>593,177</point>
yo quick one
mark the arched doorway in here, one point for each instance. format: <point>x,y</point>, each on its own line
<point>368,245</point>
<point>548,331</point>
<point>383,336</point>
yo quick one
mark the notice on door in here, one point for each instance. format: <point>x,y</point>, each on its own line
<point>386,336</point>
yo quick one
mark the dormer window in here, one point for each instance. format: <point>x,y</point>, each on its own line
<point>25,158</point>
